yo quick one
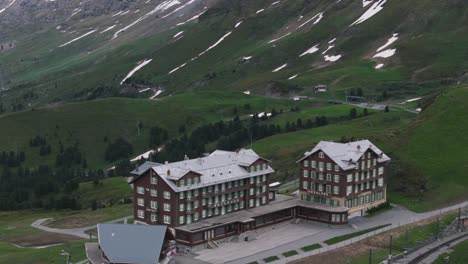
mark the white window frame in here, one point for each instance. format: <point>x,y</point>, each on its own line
<point>141,214</point>
<point>141,202</point>
<point>154,180</point>
<point>140,190</point>
<point>154,193</point>
<point>154,218</point>
<point>153,205</point>
<point>336,178</point>
<point>167,219</point>
<point>167,207</point>
<point>167,195</point>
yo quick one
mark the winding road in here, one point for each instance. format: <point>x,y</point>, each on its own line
<point>78,232</point>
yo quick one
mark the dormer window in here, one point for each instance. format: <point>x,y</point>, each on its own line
<point>182,182</point>
<point>306,163</point>
<point>321,155</point>
<point>258,167</point>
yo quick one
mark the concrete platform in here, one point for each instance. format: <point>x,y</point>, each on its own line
<point>266,238</point>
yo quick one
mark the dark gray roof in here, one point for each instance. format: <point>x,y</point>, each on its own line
<point>139,244</point>
<point>144,167</point>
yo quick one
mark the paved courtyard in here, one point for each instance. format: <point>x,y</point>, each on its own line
<point>266,238</point>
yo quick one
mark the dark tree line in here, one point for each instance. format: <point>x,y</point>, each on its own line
<point>232,135</point>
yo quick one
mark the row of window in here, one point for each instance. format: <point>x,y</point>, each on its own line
<point>321,200</point>
<point>321,164</point>
<point>221,187</point>
<point>321,176</point>
<point>364,199</point>
<point>153,192</point>
<point>321,187</point>
<point>154,217</point>
<point>364,186</point>
<point>189,181</point>
<point>258,167</point>
<point>357,176</point>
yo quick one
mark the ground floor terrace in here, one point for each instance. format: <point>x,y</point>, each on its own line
<point>282,209</point>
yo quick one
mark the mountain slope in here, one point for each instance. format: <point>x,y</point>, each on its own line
<point>236,46</point>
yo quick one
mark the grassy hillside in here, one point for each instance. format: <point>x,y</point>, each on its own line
<point>436,144</point>
<point>89,123</point>
<point>431,146</point>
<point>285,149</point>
<point>430,52</point>
<point>106,192</point>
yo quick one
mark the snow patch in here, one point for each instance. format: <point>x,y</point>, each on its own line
<point>238,24</point>
<point>137,68</point>
<point>412,100</point>
<point>107,29</point>
<point>177,68</point>
<point>280,68</point>
<point>385,54</point>
<point>310,51</point>
<point>332,58</point>
<point>317,18</point>
<point>329,48</point>
<point>379,66</point>
<point>78,38</point>
<point>274,40</point>
<point>158,92</point>
<point>390,41</point>
<point>8,6</point>
<point>293,77</point>
<point>144,90</point>
<point>178,34</point>
<point>144,155</point>
<point>366,2</point>
<point>216,44</point>
<point>373,10</point>
<point>247,92</point>
<point>259,11</point>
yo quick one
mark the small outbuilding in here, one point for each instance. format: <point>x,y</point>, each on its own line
<point>132,244</point>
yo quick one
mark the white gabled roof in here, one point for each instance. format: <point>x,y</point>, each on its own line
<point>220,166</point>
<point>346,155</point>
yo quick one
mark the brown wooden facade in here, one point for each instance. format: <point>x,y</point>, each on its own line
<point>323,181</point>
<point>155,202</point>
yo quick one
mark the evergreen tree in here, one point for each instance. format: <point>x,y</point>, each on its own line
<point>387,109</point>
<point>353,113</point>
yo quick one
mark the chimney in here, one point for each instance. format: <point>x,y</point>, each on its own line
<point>167,162</point>
<point>168,173</point>
<point>359,147</point>
<point>186,157</point>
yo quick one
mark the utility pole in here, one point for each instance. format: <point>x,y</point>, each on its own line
<point>437,228</point>
<point>459,220</point>
<point>390,253</point>
<point>370,256</point>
